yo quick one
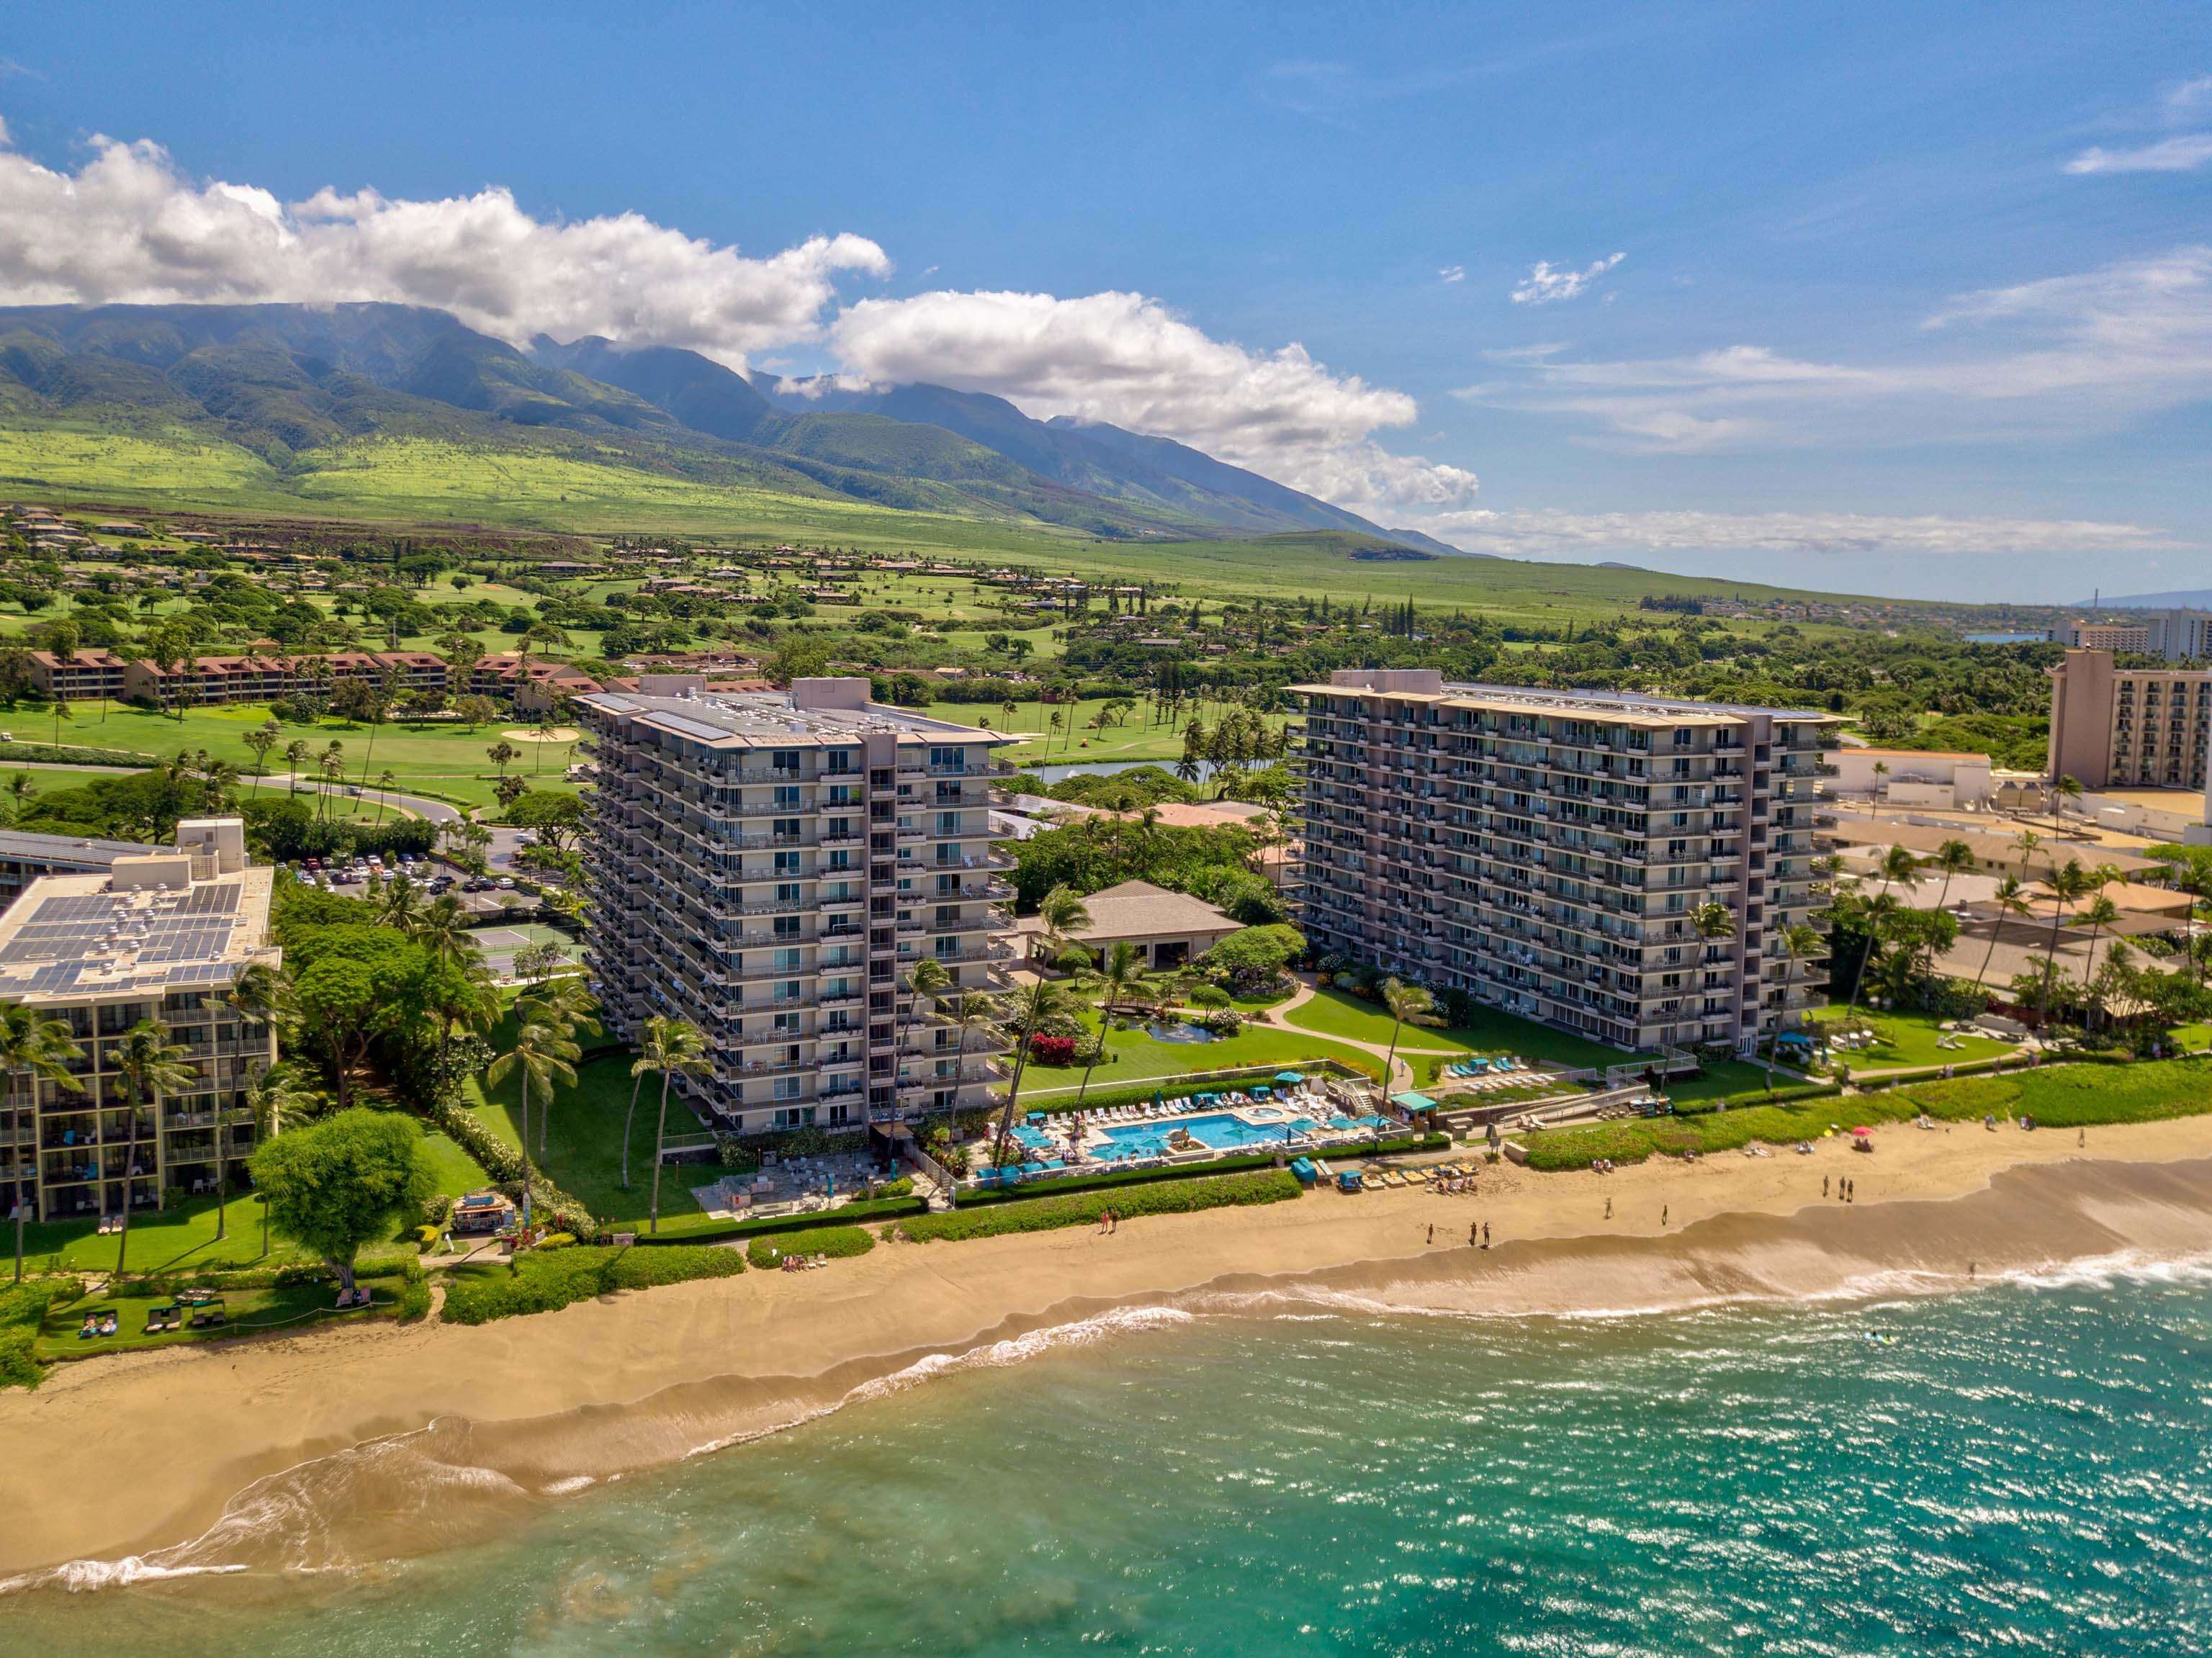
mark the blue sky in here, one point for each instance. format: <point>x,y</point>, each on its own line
<point>1917,301</point>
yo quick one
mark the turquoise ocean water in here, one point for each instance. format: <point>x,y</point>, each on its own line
<point>2023,1469</point>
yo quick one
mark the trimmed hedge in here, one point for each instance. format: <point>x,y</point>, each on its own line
<point>1032,1189</point>
<point>541,1281</point>
<point>880,1209</point>
<point>838,1243</point>
<point>1083,1209</point>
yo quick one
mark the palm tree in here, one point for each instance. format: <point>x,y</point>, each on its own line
<point>442,927</point>
<point>2027,840</point>
<point>295,756</point>
<point>150,1065</point>
<point>1028,1010</point>
<point>2011,899</point>
<point>683,1051</point>
<point>1063,916</point>
<point>257,995</point>
<point>37,1042</point>
<point>403,905</point>
<point>564,1005</point>
<point>1124,971</point>
<point>1408,1005</point>
<point>1898,864</point>
<point>261,740</point>
<point>542,1055</point>
<point>1799,944</point>
<point>1954,858</point>
<point>2101,913</point>
<point>273,1093</point>
<point>1874,912</point>
<point>2068,886</point>
<point>2066,792</point>
<point>925,977</point>
<point>968,1009</point>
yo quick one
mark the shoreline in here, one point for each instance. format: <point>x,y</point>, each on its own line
<point>368,1443</point>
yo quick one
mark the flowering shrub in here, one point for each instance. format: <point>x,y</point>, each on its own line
<point>1052,1050</point>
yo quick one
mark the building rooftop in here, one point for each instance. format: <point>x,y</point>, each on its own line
<point>755,719</point>
<point>1137,909</point>
<point>1621,708</point>
<point>71,848</point>
<point>76,937</point>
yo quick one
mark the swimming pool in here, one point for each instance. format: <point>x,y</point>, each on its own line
<point>1220,1132</point>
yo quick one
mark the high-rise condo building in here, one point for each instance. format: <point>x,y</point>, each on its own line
<point>157,935</point>
<point>2141,728</point>
<point>1553,852</point>
<point>771,866</point>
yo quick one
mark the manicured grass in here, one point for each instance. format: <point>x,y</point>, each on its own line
<point>1077,740</point>
<point>183,1239</point>
<point>543,1280</point>
<point>1171,1197</point>
<point>1333,1013</point>
<point>2056,1097</point>
<point>583,1145</point>
<point>1137,1057</point>
<point>245,1312</point>
<point>1905,1039</point>
<point>837,1242</point>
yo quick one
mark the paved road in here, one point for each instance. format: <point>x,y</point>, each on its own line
<point>436,811</point>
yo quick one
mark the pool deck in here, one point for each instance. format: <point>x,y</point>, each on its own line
<point>1131,1137</point>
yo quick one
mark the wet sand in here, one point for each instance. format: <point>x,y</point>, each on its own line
<point>366,1442</point>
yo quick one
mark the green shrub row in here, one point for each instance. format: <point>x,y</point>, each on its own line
<point>540,1281</point>
<point>1033,1189</point>
<point>71,754</point>
<point>1083,1209</point>
<point>862,1209</point>
<point>838,1243</point>
<point>22,1308</point>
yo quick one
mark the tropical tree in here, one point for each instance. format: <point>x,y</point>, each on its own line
<point>2100,913</point>
<point>503,754</point>
<point>967,1009</point>
<point>564,1005</point>
<point>295,756</point>
<point>442,927</point>
<point>2064,794</point>
<point>1061,913</point>
<point>681,1050</point>
<point>1798,944</point>
<point>1124,973</point>
<point>273,1096</point>
<point>2011,899</point>
<point>1408,1005</point>
<point>150,1065</point>
<point>2070,884</point>
<point>1955,858</point>
<point>1028,1011</point>
<point>36,1043</point>
<point>1898,864</point>
<point>261,740</point>
<point>926,976</point>
<point>401,905</point>
<point>345,1181</point>
<point>2027,840</point>
<point>1874,914</point>
<point>544,1058</point>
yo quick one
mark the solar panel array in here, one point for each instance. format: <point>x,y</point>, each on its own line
<point>184,933</point>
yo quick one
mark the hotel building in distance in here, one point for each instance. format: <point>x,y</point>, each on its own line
<point>770,865</point>
<point>1547,851</point>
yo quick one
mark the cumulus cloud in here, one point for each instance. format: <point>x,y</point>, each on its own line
<point>130,227</point>
<point>1545,286</point>
<point>2183,152</point>
<point>1127,359</point>
<point>2035,360</point>
<point>1549,534</point>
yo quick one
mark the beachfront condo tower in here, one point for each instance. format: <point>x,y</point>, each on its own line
<point>155,935</point>
<point>1567,856</point>
<point>772,866</point>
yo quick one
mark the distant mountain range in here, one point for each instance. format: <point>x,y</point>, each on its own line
<point>285,381</point>
<point>2193,599</point>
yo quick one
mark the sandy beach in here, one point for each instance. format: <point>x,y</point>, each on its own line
<point>367,1443</point>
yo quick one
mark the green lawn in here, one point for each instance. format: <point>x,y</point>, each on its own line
<point>183,1239</point>
<point>1137,1057</point>
<point>1906,1039</point>
<point>449,762</point>
<point>245,1312</point>
<point>583,1145</point>
<point>1080,741</point>
<point>1333,1013</point>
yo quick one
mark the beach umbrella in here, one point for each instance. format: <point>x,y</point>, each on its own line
<point>1289,1078</point>
<point>1863,1133</point>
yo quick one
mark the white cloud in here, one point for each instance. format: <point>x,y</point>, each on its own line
<point>129,227</point>
<point>2039,360</point>
<point>1545,286</point>
<point>1127,359</point>
<point>1453,273</point>
<point>2189,97</point>
<point>1550,534</point>
<point>2183,152</point>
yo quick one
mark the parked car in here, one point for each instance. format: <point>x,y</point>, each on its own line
<point>507,884</point>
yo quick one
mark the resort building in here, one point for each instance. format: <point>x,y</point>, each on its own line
<point>1912,777</point>
<point>771,866</point>
<point>1549,852</point>
<point>162,935</point>
<point>83,674</point>
<point>2177,635</point>
<point>2137,728</point>
<point>1169,929</point>
<point>24,857</point>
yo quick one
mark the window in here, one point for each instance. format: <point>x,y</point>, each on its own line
<point>784,760</point>
<point>787,863</point>
<point>787,797</point>
<point>843,760</point>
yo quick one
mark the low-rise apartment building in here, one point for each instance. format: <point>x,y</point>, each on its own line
<point>83,675</point>
<point>162,935</point>
<point>1549,852</point>
<point>771,866</point>
<point>2134,728</point>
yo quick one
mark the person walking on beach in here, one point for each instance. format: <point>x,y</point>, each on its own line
<point>1823,1186</point>
<point>1486,1234</point>
<point>1608,1208</point>
<point>1662,1214</point>
<point>1473,1228</point>
<point>1432,1231</point>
